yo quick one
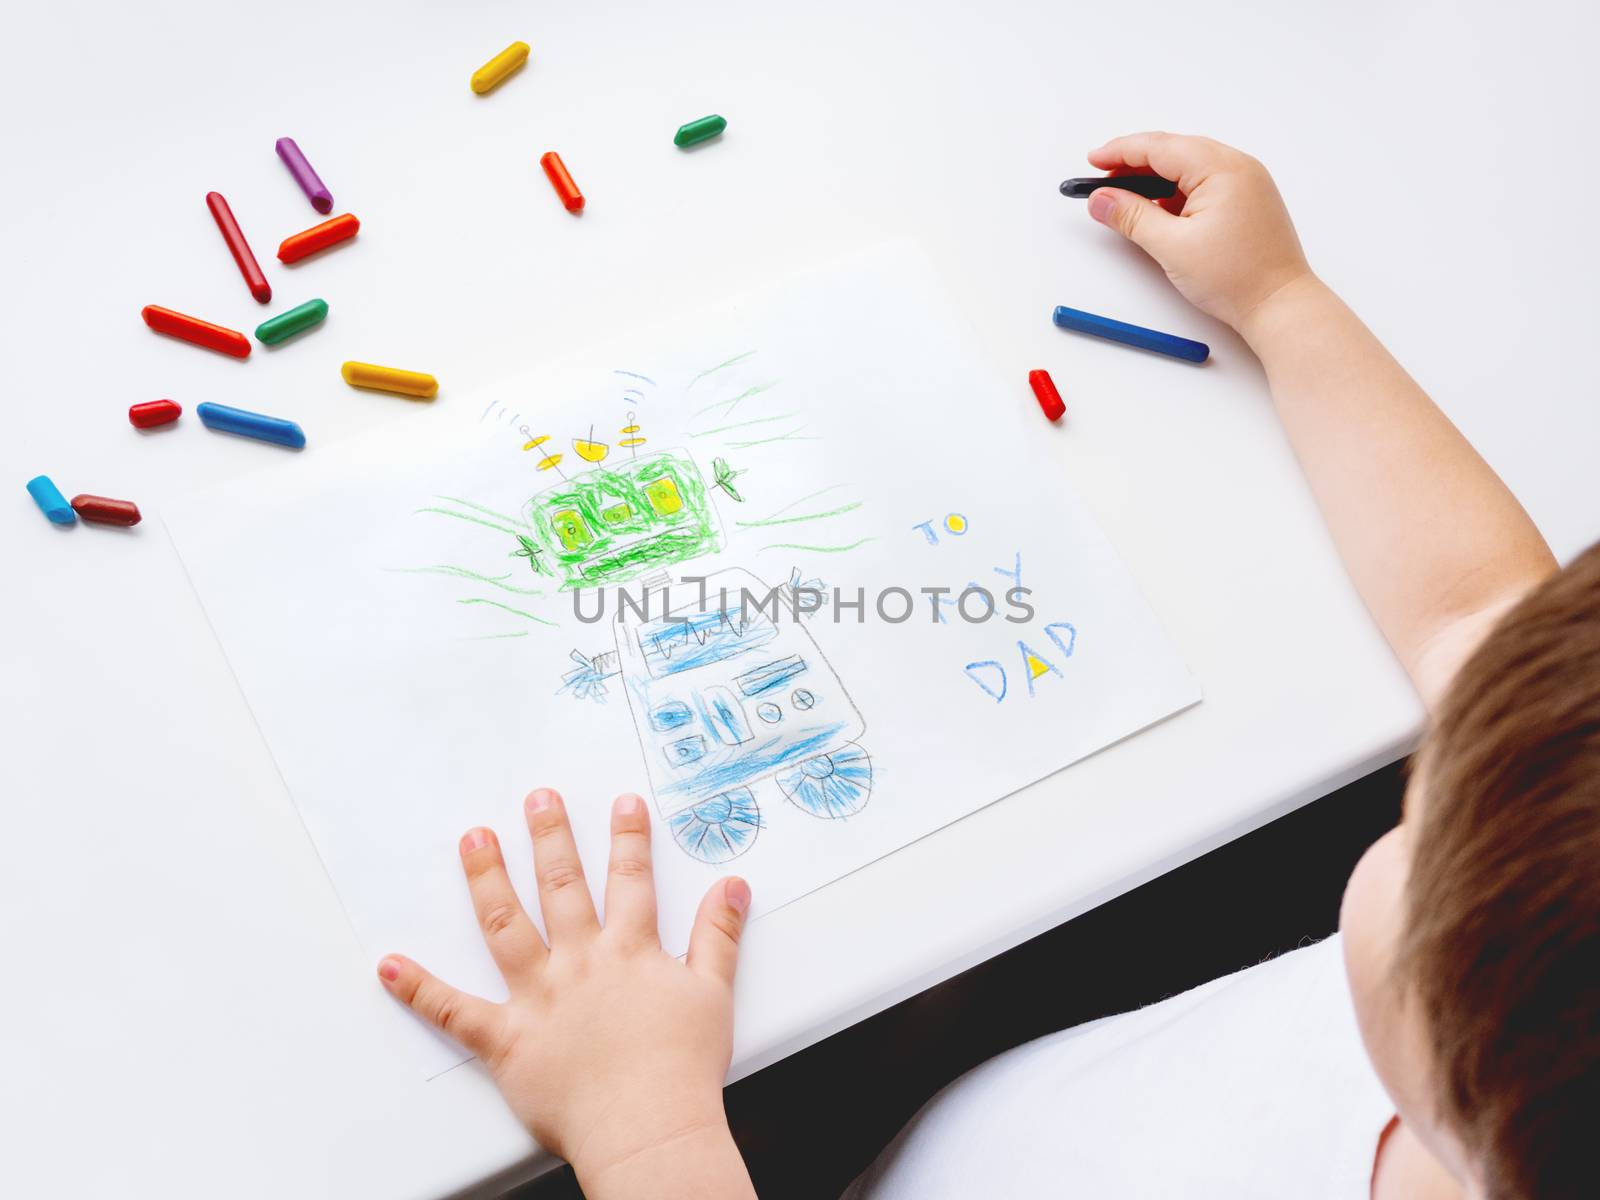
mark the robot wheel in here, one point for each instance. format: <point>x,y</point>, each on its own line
<point>719,828</point>
<point>835,784</point>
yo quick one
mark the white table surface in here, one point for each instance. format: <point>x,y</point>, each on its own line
<point>184,1005</point>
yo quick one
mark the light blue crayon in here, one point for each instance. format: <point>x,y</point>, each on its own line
<point>50,500</point>
<point>1132,335</point>
<point>249,424</point>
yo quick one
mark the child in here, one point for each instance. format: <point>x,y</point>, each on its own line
<point>1468,964</point>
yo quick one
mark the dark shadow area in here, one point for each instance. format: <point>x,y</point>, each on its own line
<point>1261,895</point>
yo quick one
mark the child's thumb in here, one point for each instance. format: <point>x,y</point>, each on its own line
<point>1139,220</point>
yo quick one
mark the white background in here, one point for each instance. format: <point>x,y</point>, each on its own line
<point>185,1007</point>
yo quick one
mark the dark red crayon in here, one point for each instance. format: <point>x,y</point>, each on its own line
<point>105,510</point>
<point>234,236</point>
<point>193,329</point>
<point>154,412</point>
<point>1044,389</point>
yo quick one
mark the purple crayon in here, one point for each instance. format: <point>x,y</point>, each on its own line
<point>310,183</point>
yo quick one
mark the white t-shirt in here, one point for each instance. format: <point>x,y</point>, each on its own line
<point>1254,1085</point>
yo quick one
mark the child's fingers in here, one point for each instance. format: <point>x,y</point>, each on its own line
<point>471,1020</point>
<point>563,894</point>
<point>630,886</point>
<point>714,940</point>
<point>1143,222</point>
<point>514,944</point>
<point>1188,161</point>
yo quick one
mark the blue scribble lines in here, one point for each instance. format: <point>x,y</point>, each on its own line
<point>586,681</point>
<point>754,764</point>
<point>670,716</point>
<point>770,675</point>
<point>685,750</point>
<point>804,596</point>
<point>723,715</point>
<point>991,674</point>
<point>1015,574</point>
<point>718,829</point>
<point>729,696</point>
<point>1052,631</point>
<point>684,643</point>
<point>830,785</point>
<point>992,667</point>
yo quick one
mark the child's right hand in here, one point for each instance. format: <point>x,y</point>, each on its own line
<point>1226,242</point>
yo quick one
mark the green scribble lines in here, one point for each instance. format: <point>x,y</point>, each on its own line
<point>445,512</point>
<point>479,508</point>
<point>780,517</point>
<point>737,358</point>
<point>612,524</point>
<point>634,515</point>
<point>734,403</point>
<point>502,522</point>
<point>794,435</point>
<point>744,424</point>
<point>530,551</point>
<point>818,549</point>
<point>508,608</point>
<point>832,487</point>
<point>816,516</point>
<point>723,476</point>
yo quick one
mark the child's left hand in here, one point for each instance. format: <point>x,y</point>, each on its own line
<point>612,1052</point>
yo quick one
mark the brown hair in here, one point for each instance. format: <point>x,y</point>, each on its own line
<point>1502,948</point>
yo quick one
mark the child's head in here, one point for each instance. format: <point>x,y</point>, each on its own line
<point>1472,932</point>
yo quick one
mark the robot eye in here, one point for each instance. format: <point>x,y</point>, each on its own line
<point>572,529</point>
<point>663,496</point>
<point>685,750</point>
<point>671,715</point>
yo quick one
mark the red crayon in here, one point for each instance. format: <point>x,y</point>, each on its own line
<point>154,412</point>
<point>561,180</point>
<point>106,510</point>
<point>193,329</point>
<point>234,236</point>
<point>318,237</point>
<point>1044,389</point>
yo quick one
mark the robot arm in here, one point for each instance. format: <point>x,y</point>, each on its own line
<point>586,681</point>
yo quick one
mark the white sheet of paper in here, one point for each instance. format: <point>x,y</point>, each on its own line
<point>398,612</point>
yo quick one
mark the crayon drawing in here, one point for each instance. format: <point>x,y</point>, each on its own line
<point>732,701</point>
<point>737,565</point>
<point>730,692</point>
<point>614,512</point>
<point>612,524</point>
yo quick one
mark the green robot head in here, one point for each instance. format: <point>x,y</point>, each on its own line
<point>615,523</point>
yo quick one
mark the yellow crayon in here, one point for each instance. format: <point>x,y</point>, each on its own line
<point>390,379</point>
<point>500,68</point>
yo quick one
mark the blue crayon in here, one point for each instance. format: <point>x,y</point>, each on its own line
<point>1132,335</point>
<point>249,424</point>
<point>50,500</point>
